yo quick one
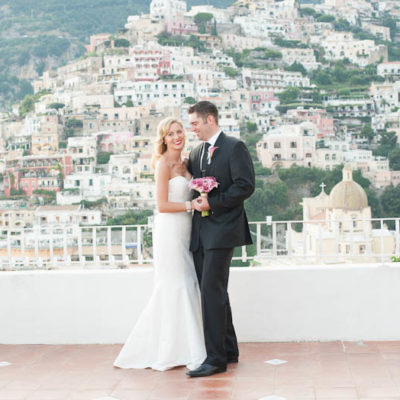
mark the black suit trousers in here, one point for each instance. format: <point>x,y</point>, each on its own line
<point>212,269</point>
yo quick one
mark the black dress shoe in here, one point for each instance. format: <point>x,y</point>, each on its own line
<point>205,370</point>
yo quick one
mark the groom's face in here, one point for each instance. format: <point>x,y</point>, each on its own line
<point>200,126</point>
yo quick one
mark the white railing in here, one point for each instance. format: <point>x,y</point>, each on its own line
<point>275,242</point>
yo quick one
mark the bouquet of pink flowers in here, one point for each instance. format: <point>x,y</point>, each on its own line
<point>204,186</point>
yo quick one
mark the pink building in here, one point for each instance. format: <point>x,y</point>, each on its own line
<point>95,40</point>
<point>150,64</point>
<point>381,179</point>
<point>318,117</point>
<point>177,25</point>
<point>263,101</point>
<point>115,142</point>
<point>38,172</point>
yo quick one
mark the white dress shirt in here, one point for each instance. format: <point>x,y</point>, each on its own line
<point>212,142</point>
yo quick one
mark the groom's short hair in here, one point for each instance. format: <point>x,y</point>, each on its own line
<point>203,109</point>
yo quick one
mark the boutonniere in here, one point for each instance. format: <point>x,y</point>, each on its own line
<point>211,152</point>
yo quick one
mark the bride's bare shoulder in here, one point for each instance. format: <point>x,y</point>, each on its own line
<point>162,168</point>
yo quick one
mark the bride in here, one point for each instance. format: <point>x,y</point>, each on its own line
<point>169,331</point>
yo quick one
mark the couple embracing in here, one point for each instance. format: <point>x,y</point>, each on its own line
<point>188,319</point>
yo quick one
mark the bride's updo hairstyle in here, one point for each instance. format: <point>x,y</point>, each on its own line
<point>162,130</point>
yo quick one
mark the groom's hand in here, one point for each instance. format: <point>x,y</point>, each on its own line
<point>201,204</point>
<point>196,205</point>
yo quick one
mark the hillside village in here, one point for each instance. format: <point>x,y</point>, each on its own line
<point>319,86</point>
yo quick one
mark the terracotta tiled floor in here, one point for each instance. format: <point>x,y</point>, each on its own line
<point>334,370</point>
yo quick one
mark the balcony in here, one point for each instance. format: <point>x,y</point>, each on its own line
<point>274,243</point>
<point>336,326</point>
<point>342,316</point>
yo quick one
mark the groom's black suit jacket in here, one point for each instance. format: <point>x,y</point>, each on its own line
<point>226,226</point>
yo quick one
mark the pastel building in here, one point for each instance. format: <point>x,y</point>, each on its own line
<point>339,224</point>
<point>162,9</point>
<point>287,145</point>
<point>37,172</point>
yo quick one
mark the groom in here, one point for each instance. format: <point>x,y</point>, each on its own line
<point>214,237</point>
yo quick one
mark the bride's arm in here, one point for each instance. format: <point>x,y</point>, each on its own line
<point>162,179</point>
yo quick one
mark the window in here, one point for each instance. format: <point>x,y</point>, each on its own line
<point>277,145</point>
<point>293,145</point>
<point>90,182</point>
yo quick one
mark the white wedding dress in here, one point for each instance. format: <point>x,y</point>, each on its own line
<point>169,332</point>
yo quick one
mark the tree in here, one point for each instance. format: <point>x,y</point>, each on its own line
<point>24,58</point>
<point>322,77</point>
<point>340,73</point>
<point>394,159</point>
<point>289,95</point>
<point>325,18</point>
<point>297,67</point>
<point>103,158</point>
<point>25,88</point>
<point>231,72</point>
<point>342,25</point>
<point>307,11</point>
<point>57,106</point>
<point>27,105</point>
<point>203,18</point>
<point>390,201</point>
<point>368,133</point>
<point>74,123</point>
<point>131,218</point>
<point>121,43</point>
<point>190,100</point>
<point>386,143</point>
<point>251,127</point>
<point>214,31</point>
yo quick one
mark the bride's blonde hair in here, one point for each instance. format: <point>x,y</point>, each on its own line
<point>162,130</point>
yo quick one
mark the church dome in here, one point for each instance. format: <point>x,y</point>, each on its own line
<point>347,194</point>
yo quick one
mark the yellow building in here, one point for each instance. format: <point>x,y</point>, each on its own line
<point>339,225</point>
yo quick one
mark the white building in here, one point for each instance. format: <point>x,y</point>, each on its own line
<point>328,159</point>
<point>362,107</point>
<point>83,151</point>
<point>339,45</point>
<point>59,216</point>
<point>259,27</point>
<point>386,96</point>
<point>142,93</point>
<point>390,69</point>
<point>122,166</point>
<point>163,9</point>
<point>338,224</point>
<point>122,195</point>
<point>273,80</point>
<point>306,57</point>
<point>221,15</point>
<point>88,186</point>
<point>287,145</point>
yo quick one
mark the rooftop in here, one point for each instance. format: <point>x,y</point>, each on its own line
<point>313,370</point>
<point>306,332</point>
